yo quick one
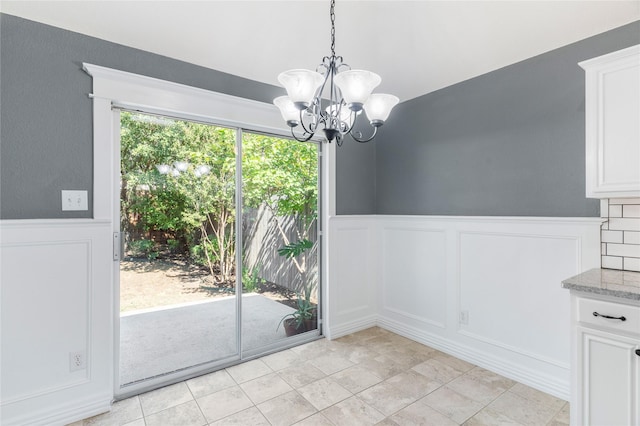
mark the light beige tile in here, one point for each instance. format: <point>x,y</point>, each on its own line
<point>453,362</point>
<point>420,414</point>
<point>163,398</point>
<point>387,422</point>
<point>356,353</point>
<point>382,366</point>
<point>419,347</point>
<point>453,405</point>
<point>414,384</point>
<point>286,409</point>
<point>187,414</point>
<point>356,378</point>
<point>489,417</point>
<point>386,343</point>
<point>265,387</point>
<point>523,410</point>
<point>386,398</point>
<point>481,385</point>
<point>353,411</point>
<point>323,393</point>
<point>210,383</point>
<point>281,360</point>
<point>312,350</point>
<point>371,332</point>
<point>122,412</point>
<point>475,390</point>
<point>562,418</point>
<point>436,370</point>
<point>301,375</point>
<point>223,403</point>
<point>317,419</point>
<point>331,363</point>
<point>249,370</point>
<point>78,423</point>
<point>538,397</point>
<point>251,416</point>
<point>407,357</point>
<point>139,422</point>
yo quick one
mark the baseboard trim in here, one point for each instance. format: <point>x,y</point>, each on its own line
<point>61,415</point>
<point>541,381</point>
<point>334,332</point>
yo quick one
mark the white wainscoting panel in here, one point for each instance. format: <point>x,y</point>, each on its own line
<point>56,298</point>
<point>509,285</point>
<point>505,273</point>
<point>414,263</point>
<point>352,286</point>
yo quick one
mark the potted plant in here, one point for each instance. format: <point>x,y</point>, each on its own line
<point>304,318</point>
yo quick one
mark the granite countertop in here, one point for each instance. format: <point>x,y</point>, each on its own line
<point>610,282</point>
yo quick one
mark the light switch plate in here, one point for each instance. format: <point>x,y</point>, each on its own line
<point>75,200</point>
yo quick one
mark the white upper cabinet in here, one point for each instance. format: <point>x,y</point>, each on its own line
<point>613,124</point>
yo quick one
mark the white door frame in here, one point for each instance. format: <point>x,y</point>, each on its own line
<point>132,91</point>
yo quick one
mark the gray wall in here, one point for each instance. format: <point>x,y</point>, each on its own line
<point>356,178</point>
<point>510,142</point>
<point>46,117</point>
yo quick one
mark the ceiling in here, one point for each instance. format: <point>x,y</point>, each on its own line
<point>416,46</point>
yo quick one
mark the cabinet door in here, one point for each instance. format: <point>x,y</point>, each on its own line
<point>612,125</point>
<point>608,367</point>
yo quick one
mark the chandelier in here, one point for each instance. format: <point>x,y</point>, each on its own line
<point>348,91</point>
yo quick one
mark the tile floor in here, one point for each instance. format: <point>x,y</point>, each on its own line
<point>373,377</point>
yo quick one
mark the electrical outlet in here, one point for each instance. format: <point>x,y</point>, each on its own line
<point>74,200</point>
<point>77,361</point>
<point>464,317</point>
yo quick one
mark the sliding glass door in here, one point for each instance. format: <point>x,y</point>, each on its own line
<point>280,240</point>
<point>177,274</point>
<point>191,210</point>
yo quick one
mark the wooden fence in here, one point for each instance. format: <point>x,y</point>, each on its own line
<point>261,240</point>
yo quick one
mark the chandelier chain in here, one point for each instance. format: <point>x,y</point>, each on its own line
<point>332,14</point>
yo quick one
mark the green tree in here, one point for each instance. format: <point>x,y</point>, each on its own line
<point>199,208</point>
<point>282,175</point>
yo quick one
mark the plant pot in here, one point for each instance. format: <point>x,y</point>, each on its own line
<point>290,329</point>
<point>311,323</point>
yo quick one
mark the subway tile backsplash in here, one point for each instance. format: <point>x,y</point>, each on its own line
<point>620,235</point>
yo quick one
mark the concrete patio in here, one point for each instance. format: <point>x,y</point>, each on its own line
<point>161,340</point>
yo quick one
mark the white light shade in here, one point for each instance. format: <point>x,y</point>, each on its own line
<point>301,85</point>
<point>181,166</point>
<point>163,169</point>
<point>202,170</point>
<point>356,86</point>
<point>287,109</point>
<point>345,113</point>
<point>379,106</point>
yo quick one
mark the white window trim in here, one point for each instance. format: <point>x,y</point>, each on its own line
<point>132,91</point>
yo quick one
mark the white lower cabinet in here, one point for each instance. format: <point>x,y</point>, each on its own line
<point>606,367</point>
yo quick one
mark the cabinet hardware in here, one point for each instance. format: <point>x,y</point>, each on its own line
<point>638,352</point>
<point>595,314</point>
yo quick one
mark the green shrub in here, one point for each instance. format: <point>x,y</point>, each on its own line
<point>199,255</point>
<point>250,280</point>
<point>174,245</point>
<point>143,248</point>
